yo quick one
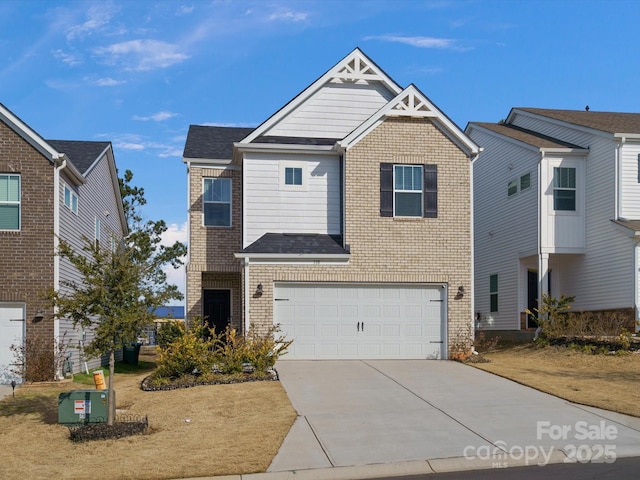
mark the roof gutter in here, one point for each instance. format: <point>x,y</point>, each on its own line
<point>289,148</point>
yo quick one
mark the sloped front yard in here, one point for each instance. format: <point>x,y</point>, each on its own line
<point>611,382</point>
<point>200,431</point>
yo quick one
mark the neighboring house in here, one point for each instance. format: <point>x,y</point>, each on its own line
<point>162,315</point>
<point>49,189</point>
<point>345,218</point>
<point>557,210</point>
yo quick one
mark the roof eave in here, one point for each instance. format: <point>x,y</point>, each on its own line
<point>290,148</point>
<point>295,256</point>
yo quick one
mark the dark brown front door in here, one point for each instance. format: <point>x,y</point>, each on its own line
<point>217,309</point>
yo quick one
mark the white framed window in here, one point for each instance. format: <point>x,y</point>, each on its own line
<point>293,176</point>
<point>407,190</point>
<point>564,189</point>
<point>216,202</point>
<point>512,188</point>
<point>70,199</point>
<point>493,292</point>
<point>10,201</point>
<point>97,231</point>
<point>525,181</point>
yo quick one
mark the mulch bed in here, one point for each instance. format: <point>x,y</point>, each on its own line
<point>102,431</point>
<point>189,381</point>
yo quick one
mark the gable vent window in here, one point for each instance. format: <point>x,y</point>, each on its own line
<point>70,200</point>
<point>408,190</point>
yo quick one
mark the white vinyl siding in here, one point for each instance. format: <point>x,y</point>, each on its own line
<point>98,202</point>
<point>10,202</point>
<point>357,321</point>
<point>630,181</point>
<point>271,209</point>
<point>505,228</point>
<point>333,111</point>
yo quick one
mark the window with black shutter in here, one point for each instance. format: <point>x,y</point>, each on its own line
<point>408,190</point>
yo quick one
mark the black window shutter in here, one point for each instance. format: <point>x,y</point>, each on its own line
<point>431,191</point>
<point>386,189</point>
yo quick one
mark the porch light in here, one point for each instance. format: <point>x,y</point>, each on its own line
<point>259,289</point>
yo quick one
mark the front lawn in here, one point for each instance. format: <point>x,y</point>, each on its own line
<point>608,381</point>
<point>200,431</point>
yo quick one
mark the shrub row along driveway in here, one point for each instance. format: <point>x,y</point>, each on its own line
<point>368,412</point>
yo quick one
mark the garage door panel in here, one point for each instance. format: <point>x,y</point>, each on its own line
<point>361,320</point>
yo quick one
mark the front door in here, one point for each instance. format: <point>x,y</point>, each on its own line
<point>217,309</point>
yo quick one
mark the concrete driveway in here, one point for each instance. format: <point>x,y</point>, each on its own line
<point>452,415</point>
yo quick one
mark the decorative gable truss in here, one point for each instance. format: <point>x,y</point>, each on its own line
<point>356,68</point>
<point>411,102</point>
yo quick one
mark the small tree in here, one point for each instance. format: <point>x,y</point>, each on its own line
<point>121,286</point>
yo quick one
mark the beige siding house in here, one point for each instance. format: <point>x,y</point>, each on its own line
<point>345,218</point>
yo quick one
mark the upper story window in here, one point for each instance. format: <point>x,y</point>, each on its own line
<point>564,188</point>
<point>216,202</point>
<point>408,190</point>
<point>9,202</point>
<point>70,200</point>
<point>293,176</point>
<point>512,188</point>
<point>525,181</point>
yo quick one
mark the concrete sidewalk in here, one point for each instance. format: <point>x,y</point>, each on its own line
<point>434,416</point>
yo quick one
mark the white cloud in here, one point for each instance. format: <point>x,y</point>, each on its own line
<point>108,82</point>
<point>68,58</point>
<point>288,16</point>
<point>156,117</point>
<point>422,42</point>
<point>129,145</point>
<point>185,9</point>
<point>142,54</point>
<point>98,15</point>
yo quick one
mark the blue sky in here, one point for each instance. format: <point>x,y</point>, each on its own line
<point>138,73</point>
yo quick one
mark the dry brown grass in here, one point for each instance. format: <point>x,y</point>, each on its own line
<point>611,382</point>
<point>231,429</point>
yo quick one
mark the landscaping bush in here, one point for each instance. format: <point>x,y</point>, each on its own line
<point>592,331</point>
<point>201,355</point>
<point>169,332</point>
<point>188,354</point>
<point>39,359</point>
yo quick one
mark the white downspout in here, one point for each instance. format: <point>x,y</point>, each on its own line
<point>618,180</point>
<point>247,293</point>
<point>186,274</point>
<point>636,272</point>
<point>56,236</point>
<point>472,291</point>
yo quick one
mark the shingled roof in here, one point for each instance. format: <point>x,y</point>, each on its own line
<point>297,243</point>
<point>81,153</point>
<point>611,122</point>
<point>214,143</point>
<point>526,136</point>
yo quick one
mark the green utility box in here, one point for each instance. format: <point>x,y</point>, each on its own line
<point>83,406</point>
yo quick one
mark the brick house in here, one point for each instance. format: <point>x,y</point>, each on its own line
<point>345,218</point>
<point>48,189</point>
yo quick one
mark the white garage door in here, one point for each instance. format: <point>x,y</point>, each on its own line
<point>362,321</point>
<point>12,327</point>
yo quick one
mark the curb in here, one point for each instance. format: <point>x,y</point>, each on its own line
<point>400,469</point>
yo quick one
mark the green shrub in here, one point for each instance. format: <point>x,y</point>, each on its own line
<point>169,332</point>
<point>187,354</point>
